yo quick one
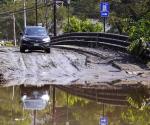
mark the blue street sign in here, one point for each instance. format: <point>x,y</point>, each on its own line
<point>104,14</point>
<point>104,9</point>
<point>103,121</point>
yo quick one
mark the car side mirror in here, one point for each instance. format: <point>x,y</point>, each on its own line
<point>21,34</point>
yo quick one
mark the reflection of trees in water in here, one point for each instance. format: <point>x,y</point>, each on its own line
<point>139,98</point>
<point>11,111</point>
<point>72,100</point>
<point>139,111</point>
<point>136,117</point>
<point>87,112</point>
<point>80,111</point>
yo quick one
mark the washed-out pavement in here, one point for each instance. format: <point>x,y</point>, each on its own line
<point>68,67</point>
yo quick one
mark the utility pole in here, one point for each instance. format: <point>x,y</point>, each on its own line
<point>25,16</point>
<point>46,14</point>
<point>54,101</point>
<point>67,120</point>
<point>36,15</point>
<point>68,5</point>
<point>14,27</point>
<point>34,114</point>
<point>54,14</point>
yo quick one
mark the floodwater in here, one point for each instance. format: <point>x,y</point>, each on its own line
<point>68,109</point>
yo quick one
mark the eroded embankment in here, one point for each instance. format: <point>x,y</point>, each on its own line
<point>67,67</point>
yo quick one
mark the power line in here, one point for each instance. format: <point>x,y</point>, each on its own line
<point>22,9</point>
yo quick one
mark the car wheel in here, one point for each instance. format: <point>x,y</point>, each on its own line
<point>22,49</point>
<point>47,50</point>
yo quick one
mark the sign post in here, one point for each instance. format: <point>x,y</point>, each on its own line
<point>104,11</point>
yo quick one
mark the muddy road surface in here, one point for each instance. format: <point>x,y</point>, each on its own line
<point>67,67</point>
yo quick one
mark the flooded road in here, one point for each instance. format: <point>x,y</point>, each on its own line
<point>66,67</point>
<point>36,88</point>
<point>69,109</point>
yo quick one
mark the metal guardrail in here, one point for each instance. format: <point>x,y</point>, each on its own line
<point>115,41</point>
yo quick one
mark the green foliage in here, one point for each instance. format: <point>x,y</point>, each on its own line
<point>139,98</point>
<point>9,43</point>
<point>98,27</point>
<point>72,100</point>
<point>78,25</point>
<point>139,34</point>
<point>140,29</point>
<point>138,112</point>
<point>11,108</point>
<point>88,26</point>
<point>126,12</point>
<point>74,25</point>
<point>134,21</point>
<point>6,20</point>
<point>136,117</point>
<point>137,47</point>
<point>85,8</point>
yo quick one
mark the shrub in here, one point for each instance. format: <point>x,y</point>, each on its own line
<point>74,25</point>
<point>136,46</point>
<point>7,43</point>
<point>140,29</point>
<point>78,25</point>
<point>139,34</point>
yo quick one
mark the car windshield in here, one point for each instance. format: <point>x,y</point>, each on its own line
<point>40,31</point>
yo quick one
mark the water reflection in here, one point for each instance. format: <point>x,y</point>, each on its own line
<point>69,109</point>
<point>87,112</point>
<point>118,96</point>
<point>34,98</point>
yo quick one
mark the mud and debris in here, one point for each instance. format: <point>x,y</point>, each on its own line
<point>76,66</point>
<point>2,80</point>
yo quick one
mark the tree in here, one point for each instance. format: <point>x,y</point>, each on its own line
<point>85,8</point>
<point>124,13</point>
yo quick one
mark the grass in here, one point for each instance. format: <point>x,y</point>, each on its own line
<point>7,43</point>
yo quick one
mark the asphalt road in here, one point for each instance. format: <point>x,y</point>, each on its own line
<point>70,67</point>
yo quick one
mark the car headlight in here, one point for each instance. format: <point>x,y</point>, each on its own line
<point>25,39</point>
<point>45,97</point>
<point>46,39</point>
<point>24,97</point>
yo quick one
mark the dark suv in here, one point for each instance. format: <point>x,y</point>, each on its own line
<point>35,38</point>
